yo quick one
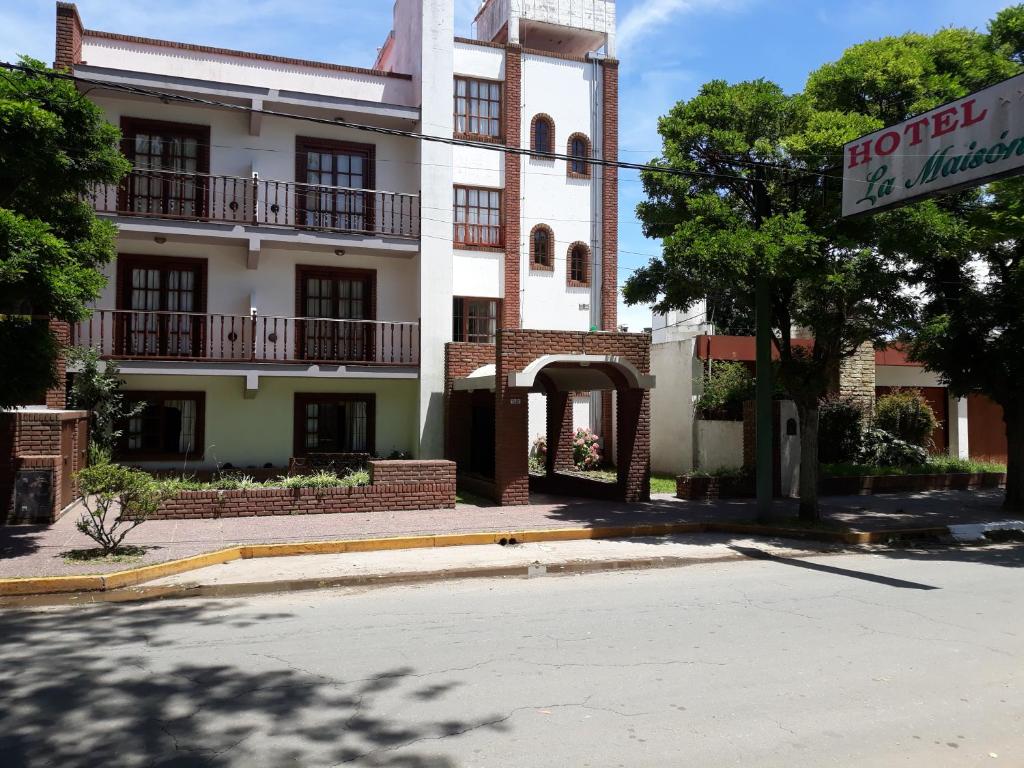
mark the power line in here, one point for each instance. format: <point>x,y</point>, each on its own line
<point>451,141</point>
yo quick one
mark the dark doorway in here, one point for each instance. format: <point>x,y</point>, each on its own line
<point>481,445</point>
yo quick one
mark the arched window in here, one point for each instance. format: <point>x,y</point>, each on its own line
<point>542,137</point>
<point>578,268</point>
<point>542,243</point>
<point>579,150</point>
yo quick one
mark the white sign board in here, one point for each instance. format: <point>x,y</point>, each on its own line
<point>961,144</point>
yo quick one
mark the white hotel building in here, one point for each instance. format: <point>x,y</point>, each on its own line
<point>285,287</point>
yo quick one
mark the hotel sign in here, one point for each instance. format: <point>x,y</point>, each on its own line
<point>961,144</point>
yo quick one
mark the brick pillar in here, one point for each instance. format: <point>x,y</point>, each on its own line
<point>512,128</point>
<point>750,443</point>
<point>560,432</point>
<point>633,444</point>
<point>609,196</point>
<point>58,396</point>
<point>857,378</point>
<point>69,37</point>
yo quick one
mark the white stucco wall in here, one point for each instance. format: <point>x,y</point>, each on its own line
<point>672,432</point>
<point>253,432</point>
<point>719,445</point>
<point>237,70</point>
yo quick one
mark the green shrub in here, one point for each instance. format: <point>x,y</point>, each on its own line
<point>839,430</point>
<point>96,387</point>
<point>323,479</point>
<point>117,500</point>
<point>905,414</point>
<point>882,448</point>
<point>726,387</point>
<point>538,455</point>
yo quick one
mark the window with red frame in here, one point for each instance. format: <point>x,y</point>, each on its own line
<point>475,319</point>
<point>477,217</point>
<point>477,107</point>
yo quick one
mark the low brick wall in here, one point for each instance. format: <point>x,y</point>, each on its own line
<point>394,485</point>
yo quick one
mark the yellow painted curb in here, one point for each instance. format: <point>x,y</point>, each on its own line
<point>134,576</point>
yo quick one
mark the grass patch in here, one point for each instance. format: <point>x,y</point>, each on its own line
<point>936,465</point>
<point>663,483</point>
<point>98,556</point>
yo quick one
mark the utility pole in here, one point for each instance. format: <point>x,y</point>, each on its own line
<point>765,388</point>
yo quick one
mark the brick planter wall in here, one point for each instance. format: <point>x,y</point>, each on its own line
<point>394,485</point>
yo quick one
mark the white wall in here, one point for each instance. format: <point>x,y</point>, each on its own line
<point>678,373</point>
<point>237,70</point>
<point>719,445</point>
<point>253,432</point>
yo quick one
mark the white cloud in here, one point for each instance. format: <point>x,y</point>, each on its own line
<point>649,16</point>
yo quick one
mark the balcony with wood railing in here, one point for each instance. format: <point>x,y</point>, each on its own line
<point>194,336</point>
<point>260,202</point>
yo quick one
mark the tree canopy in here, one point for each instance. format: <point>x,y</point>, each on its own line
<point>54,146</point>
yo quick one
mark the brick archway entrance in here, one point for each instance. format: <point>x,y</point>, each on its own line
<point>556,364</point>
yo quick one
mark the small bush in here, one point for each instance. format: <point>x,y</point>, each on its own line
<point>882,448</point>
<point>538,455</point>
<point>117,500</point>
<point>586,453</point>
<point>322,479</point>
<point>726,387</point>
<point>907,415</point>
<point>839,430</point>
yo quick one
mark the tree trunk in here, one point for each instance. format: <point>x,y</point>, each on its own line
<point>1013,416</point>
<point>809,511</point>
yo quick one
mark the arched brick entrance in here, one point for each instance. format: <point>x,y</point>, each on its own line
<point>555,363</point>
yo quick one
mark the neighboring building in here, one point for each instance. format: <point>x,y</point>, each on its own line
<point>285,287</point>
<point>970,427</point>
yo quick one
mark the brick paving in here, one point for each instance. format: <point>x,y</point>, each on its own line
<point>33,550</point>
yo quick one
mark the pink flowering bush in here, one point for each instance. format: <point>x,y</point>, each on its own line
<point>586,453</point>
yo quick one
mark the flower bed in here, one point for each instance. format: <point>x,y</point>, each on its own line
<point>393,485</point>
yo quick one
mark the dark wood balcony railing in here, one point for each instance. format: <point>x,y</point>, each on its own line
<point>263,202</point>
<point>130,335</point>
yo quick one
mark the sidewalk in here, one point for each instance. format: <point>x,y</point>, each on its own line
<point>39,550</point>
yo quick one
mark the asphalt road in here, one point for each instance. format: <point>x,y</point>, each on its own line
<point>904,659</point>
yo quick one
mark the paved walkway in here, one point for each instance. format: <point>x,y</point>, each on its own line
<point>40,550</point>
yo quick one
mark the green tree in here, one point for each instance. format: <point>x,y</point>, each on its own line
<point>96,388</point>
<point>760,201</point>
<point>54,147</point>
<point>967,248</point>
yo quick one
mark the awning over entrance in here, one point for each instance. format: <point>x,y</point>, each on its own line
<point>563,373</point>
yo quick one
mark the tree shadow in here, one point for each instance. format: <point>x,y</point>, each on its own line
<point>20,540</point>
<point>84,687</point>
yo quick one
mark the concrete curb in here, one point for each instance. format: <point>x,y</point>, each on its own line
<point>12,587</point>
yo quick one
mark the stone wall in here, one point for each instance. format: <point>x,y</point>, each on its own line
<point>857,378</point>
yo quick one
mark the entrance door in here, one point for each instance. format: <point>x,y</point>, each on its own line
<point>342,298</point>
<point>481,457</point>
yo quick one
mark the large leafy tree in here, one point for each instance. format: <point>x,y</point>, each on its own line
<point>759,200</point>
<point>54,146</point>
<point>966,249</point>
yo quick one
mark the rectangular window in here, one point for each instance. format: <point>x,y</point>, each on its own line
<point>343,299</point>
<point>475,319</point>
<point>477,107</point>
<point>334,182</point>
<point>162,301</point>
<point>171,162</point>
<point>170,425</point>
<point>332,423</point>
<point>477,217</point>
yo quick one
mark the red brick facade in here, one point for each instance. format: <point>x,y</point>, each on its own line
<point>57,397</point>
<point>609,217</point>
<point>512,117</point>
<point>40,439</point>
<point>560,432</point>
<point>69,37</point>
<point>394,485</point>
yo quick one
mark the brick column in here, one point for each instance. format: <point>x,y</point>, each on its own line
<point>512,129</point>
<point>69,37</point>
<point>857,378</point>
<point>58,396</point>
<point>560,432</point>
<point>511,425</point>
<point>609,196</point>
<point>633,444</point>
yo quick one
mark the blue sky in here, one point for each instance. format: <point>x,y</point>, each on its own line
<point>668,48</point>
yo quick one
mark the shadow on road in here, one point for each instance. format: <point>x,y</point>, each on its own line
<point>888,581</point>
<point>90,686</point>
